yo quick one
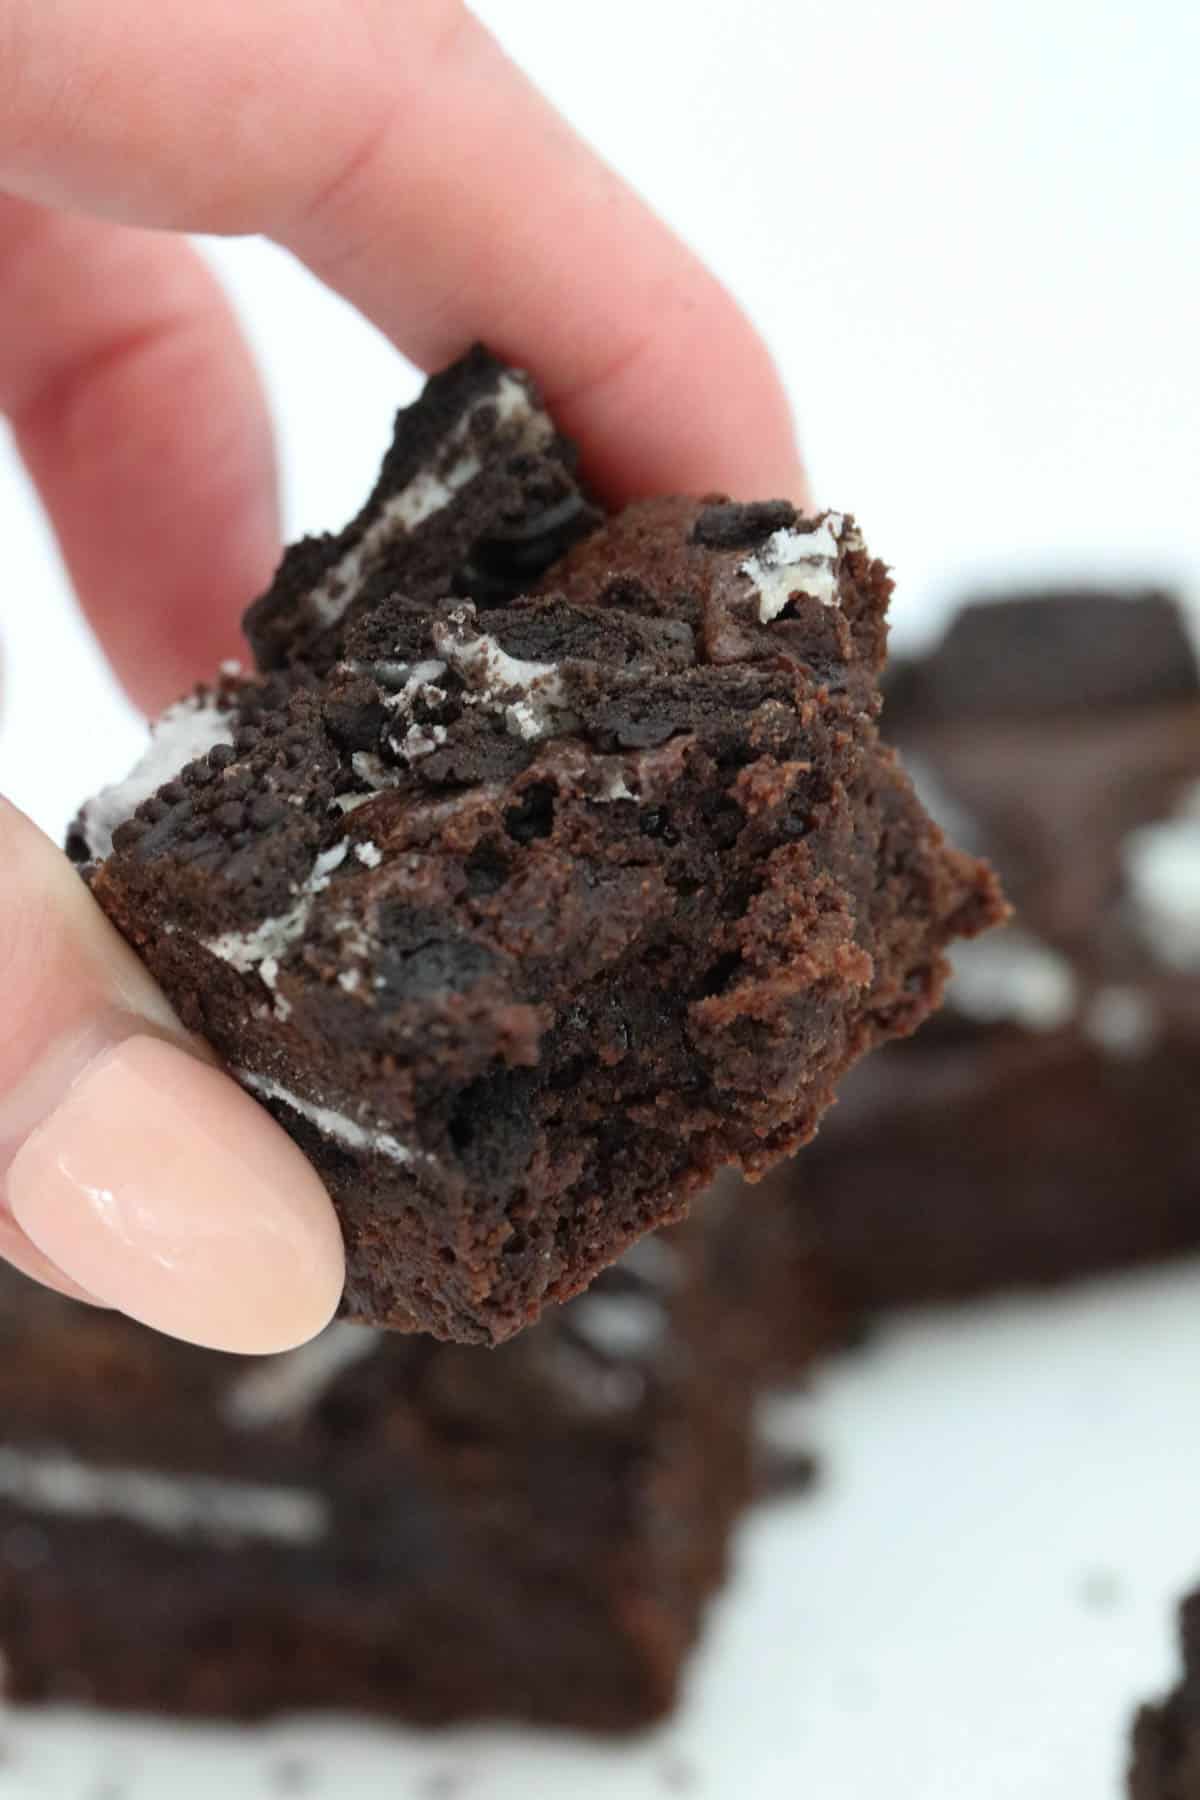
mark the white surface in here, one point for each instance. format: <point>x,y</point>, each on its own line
<point>969,232</point>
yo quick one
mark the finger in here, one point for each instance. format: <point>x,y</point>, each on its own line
<point>139,415</point>
<point>397,151</point>
<point>128,1162</point>
<point>21,1253</point>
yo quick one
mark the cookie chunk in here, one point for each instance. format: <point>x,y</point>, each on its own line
<point>524,914</point>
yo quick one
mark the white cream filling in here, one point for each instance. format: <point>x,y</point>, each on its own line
<point>373,1140</point>
<point>186,731</point>
<point>418,741</point>
<point>368,854</point>
<point>264,944</point>
<point>420,683</point>
<point>426,494</point>
<point>285,1387</point>
<point>371,768</point>
<point>413,682</point>
<point>638,775</point>
<point>529,695</point>
<point>796,562</point>
<point>410,682</point>
<point>1010,976</point>
<point>1162,867</point>
<point>615,788</point>
<point>173,1505</point>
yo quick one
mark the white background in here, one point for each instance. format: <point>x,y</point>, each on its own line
<point>969,231</point>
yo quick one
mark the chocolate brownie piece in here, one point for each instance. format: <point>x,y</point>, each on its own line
<point>1165,1761</point>
<point>378,1522</point>
<point>1008,1144</point>
<point>525,918</point>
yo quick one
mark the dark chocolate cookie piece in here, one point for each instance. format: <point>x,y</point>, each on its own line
<point>477,496</point>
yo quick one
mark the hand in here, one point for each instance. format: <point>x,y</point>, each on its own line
<point>397,152</point>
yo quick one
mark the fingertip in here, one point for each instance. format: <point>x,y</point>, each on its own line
<point>137,1172</point>
<point>23,1255</point>
<point>161,1188</point>
<point>695,405</point>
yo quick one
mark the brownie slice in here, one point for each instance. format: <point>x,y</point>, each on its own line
<point>378,1522</point>
<point>1165,1762</point>
<point>1044,1125</point>
<point>525,915</point>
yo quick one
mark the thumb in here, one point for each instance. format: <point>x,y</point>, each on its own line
<point>132,1171</point>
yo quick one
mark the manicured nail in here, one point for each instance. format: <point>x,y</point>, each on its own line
<point>16,1249</point>
<point>161,1189</point>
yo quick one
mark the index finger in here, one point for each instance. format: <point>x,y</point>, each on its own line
<point>401,155</point>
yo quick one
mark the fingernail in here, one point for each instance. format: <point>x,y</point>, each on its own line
<point>16,1249</point>
<point>161,1189</point>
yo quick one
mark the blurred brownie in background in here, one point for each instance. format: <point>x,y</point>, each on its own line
<point>1044,1124</point>
<point>376,1522</point>
<point>1165,1761</point>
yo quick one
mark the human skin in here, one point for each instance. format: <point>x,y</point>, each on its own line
<point>134,1172</point>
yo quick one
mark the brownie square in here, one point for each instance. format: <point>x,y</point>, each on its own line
<point>525,912</point>
<point>379,1522</point>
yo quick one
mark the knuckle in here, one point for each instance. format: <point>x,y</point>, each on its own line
<point>396,63</point>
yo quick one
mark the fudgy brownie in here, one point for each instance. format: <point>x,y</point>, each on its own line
<point>377,1521</point>
<point>525,914</point>
<point>1044,1124</point>
<point>1165,1762</point>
